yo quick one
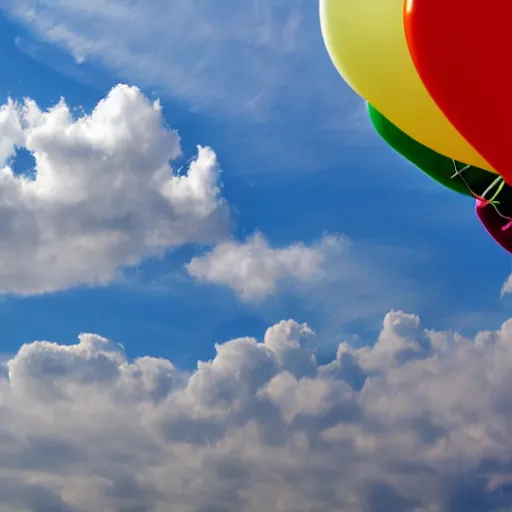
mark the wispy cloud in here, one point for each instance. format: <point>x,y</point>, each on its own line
<point>506,289</point>
<point>420,422</point>
<point>236,57</point>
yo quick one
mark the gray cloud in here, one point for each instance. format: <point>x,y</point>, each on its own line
<point>419,422</point>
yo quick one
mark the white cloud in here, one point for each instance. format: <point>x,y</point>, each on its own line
<point>253,268</point>
<point>11,132</point>
<point>507,286</point>
<point>104,196</point>
<point>421,422</point>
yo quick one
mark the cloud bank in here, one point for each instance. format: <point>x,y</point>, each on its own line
<point>104,195</point>
<point>420,422</point>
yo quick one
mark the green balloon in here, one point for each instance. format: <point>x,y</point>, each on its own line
<point>438,167</point>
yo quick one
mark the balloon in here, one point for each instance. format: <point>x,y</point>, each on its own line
<point>472,181</point>
<point>366,41</point>
<point>462,50</point>
<point>498,227</point>
<point>437,166</point>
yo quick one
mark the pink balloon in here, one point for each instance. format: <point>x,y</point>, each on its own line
<point>500,228</point>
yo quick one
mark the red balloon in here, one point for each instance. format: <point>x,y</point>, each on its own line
<point>500,228</point>
<point>462,50</point>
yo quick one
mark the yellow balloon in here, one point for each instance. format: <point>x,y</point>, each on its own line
<point>367,44</point>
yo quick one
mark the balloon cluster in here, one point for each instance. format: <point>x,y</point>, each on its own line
<point>432,73</point>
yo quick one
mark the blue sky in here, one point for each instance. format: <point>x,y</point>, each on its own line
<point>315,219</point>
<point>306,163</point>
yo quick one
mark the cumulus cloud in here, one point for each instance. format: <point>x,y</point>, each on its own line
<point>420,422</point>
<point>253,269</point>
<point>104,195</point>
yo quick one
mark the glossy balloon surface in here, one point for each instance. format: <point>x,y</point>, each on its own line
<point>366,41</point>
<point>462,50</point>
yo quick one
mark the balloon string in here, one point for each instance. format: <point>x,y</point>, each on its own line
<point>458,172</point>
<point>498,181</point>
<point>491,186</point>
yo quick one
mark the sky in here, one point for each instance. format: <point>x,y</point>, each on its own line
<point>220,290</point>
